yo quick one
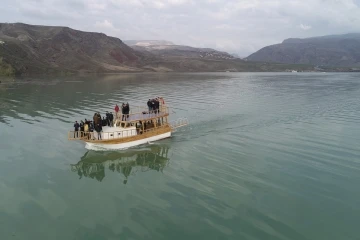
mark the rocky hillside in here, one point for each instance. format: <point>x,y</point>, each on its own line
<point>147,42</point>
<point>29,48</point>
<point>334,50</point>
<point>166,49</point>
<point>168,56</point>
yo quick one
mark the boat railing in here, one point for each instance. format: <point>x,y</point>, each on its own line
<point>142,113</point>
<point>181,122</point>
<point>78,135</point>
<point>81,135</point>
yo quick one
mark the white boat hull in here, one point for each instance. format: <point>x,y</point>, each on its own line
<point>104,147</point>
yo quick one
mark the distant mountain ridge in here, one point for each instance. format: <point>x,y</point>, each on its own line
<point>32,49</point>
<point>170,50</point>
<point>321,38</point>
<point>147,42</point>
<point>333,50</point>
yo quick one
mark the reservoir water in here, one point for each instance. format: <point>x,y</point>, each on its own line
<point>266,156</point>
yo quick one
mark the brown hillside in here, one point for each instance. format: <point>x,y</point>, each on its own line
<point>34,48</point>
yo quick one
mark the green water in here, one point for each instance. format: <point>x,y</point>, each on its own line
<point>266,156</point>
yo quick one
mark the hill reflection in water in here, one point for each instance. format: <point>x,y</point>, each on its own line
<point>94,164</point>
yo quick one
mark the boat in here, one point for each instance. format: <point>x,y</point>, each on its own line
<point>136,127</point>
<point>97,165</point>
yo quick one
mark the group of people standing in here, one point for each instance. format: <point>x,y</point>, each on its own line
<point>154,104</point>
<point>89,126</point>
<point>83,127</point>
<point>125,110</point>
<point>105,121</point>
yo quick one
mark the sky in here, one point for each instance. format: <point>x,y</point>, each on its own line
<point>235,26</point>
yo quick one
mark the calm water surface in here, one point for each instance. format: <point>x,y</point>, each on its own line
<point>266,156</point>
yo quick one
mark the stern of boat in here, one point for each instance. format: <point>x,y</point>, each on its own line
<point>181,122</point>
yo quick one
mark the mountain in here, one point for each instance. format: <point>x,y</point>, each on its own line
<point>29,48</point>
<point>332,50</point>
<point>147,42</point>
<point>167,49</point>
<point>235,55</point>
<point>168,56</point>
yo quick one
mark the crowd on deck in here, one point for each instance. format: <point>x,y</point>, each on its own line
<point>125,110</point>
<point>87,126</point>
<point>154,104</point>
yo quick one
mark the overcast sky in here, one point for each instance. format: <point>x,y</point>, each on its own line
<point>236,26</point>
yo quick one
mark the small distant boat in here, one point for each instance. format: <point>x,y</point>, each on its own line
<point>294,71</point>
<point>138,127</point>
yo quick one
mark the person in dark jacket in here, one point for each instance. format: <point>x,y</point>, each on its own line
<point>157,105</point>
<point>111,119</point>
<point>81,128</point>
<point>76,126</point>
<point>108,119</point>
<point>103,122</point>
<point>149,105</point>
<point>123,112</point>
<point>98,130</point>
<point>127,110</point>
<point>152,105</point>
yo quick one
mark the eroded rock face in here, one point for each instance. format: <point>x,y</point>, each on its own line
<point>62,48</point>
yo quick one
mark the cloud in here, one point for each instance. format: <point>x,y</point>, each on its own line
<point>104,24</point>
<point>240,26</point>
<point>96,6</point>
<point>169,3</point>
<point>305,27</point>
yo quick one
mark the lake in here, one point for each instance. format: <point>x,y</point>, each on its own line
<point>266,156</point>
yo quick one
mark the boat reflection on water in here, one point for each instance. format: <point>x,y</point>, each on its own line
<point>94,164</point>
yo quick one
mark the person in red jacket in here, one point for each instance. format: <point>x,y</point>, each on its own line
<point>116,110</point>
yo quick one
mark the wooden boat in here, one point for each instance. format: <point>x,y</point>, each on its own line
<point>139,126</point>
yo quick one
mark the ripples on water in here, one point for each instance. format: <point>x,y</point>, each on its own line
<point>266,156</point>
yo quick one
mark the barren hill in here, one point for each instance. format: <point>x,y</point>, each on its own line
<point>35,48</point>
<point>28,49</point>
<point>167,49</point>
<point>334,50</point>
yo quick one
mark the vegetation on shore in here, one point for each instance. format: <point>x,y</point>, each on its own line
<point>6,69</point>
